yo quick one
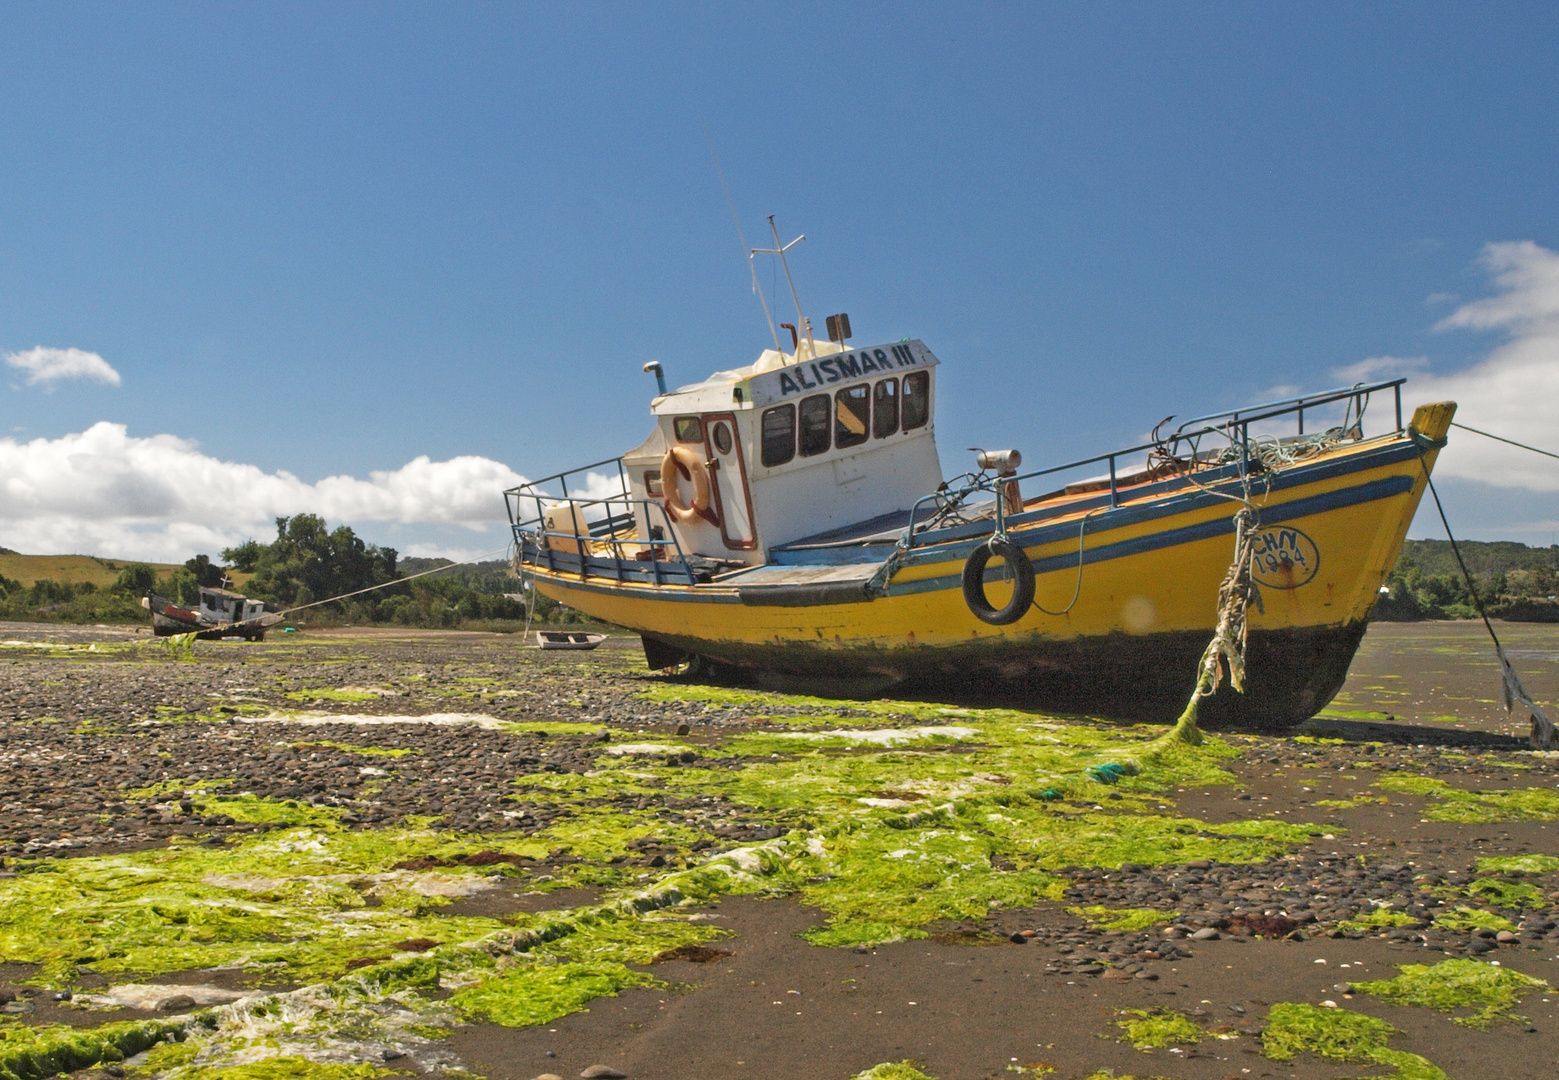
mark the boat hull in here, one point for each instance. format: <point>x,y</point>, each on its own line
<point>1145,600</point>
<point>1290,673</point>
<point>169,619</point>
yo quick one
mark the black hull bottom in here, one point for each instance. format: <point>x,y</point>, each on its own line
<point>1290,674</point>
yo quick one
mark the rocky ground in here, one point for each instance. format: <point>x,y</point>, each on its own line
<point>1407,824</point>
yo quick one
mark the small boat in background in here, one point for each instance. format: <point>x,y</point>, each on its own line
<point>220,614</point>
<point>567,639</point>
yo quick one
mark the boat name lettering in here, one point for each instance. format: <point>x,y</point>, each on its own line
<point>1284,558</point>
<point>849,366</point>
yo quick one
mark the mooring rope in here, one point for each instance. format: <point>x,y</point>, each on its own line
<point>1544,736</point>
<point>1501,438</point>
<point>1077,589</point>
<point>382,585</point>
<point>1227,646</point>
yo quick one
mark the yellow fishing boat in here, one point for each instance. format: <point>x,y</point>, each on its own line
<point>791,518</point>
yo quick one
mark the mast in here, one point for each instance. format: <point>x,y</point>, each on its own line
<point>780,249</point>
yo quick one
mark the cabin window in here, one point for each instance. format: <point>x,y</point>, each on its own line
<point>815,424</point>
<point>885,408</point>
<point>779,435</point>
<point>852,415</point>
<point>721,434</point>
<point>652,483</point>
<point>689,429</point>
<point>916,405</point>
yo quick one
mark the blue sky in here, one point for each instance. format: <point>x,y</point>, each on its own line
<point>326,241</point>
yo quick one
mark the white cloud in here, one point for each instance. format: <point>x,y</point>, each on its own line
<point>49,366</point>
<point>1514,390</point>
<point>1380,367</point>
<point>103,491</point>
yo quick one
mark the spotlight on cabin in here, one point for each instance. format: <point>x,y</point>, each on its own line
<point>839,328</point>
<point>1000,462</point>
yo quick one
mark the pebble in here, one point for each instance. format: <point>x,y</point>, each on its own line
<point>175,1003</point>
<point>603,1072</point>
<point>1505,937</point>
<point>1206,933</point>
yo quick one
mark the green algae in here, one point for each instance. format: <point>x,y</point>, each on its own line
<point>1475,807</point>
<point>893,1070</point>
<point>293,903</point>
<point>1149,1030</point>
<point>1458,984</point>
<point>1380,918</point>
<point>32,1053</point>
<point>353,748</point>
<point>1506,894</point>
<point>987,827</point>
<point>1351,714</point>
<point>995,820</point>
<point>179,646</point>
<point>1518,864</point>
<point>1356,801</point>
<point>1127,919</point>
<point>539,994</point>
<point>550,727</point>
<point>1340,1035</point>
<point>1466,920</point>
<point>329,694</point>
<point>284,1067</point>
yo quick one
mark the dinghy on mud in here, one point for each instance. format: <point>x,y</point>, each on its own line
<point>790,517</point>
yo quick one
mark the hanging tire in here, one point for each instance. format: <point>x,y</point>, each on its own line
<point>1022,582</point>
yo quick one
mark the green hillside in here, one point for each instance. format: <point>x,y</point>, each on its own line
<point>1514,582</point>
<point>70,569</point>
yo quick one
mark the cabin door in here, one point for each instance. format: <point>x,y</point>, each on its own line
<point>728,478</point>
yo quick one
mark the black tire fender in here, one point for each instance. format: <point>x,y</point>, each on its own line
<point>1022,582</point>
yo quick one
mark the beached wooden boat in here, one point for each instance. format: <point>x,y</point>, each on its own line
<point>567,639</point>
<point>791,517</point>
<point>219,614</point>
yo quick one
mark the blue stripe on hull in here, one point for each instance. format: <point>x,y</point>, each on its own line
<point>1170,497</point>
<point>1384,488</point>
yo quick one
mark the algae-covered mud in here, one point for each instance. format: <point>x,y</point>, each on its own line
<point>345,856</point>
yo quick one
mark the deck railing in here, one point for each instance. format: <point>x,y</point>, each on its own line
<point>611,522</point>
<point>610,529</point>
<point>1233,425</point>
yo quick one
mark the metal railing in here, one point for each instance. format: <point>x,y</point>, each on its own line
<point>610,529</point>
<point>1234,426</point>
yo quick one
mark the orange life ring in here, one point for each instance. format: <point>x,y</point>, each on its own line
<point>679,460</point>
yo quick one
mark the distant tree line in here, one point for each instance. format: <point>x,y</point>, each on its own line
<point>307,562</point>
<point>1514,582</point>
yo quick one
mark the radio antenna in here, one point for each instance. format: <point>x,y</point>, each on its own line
<point>780,249</point>
<point>746,252</point>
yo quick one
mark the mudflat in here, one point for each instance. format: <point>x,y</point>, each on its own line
<point>358,852</point>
